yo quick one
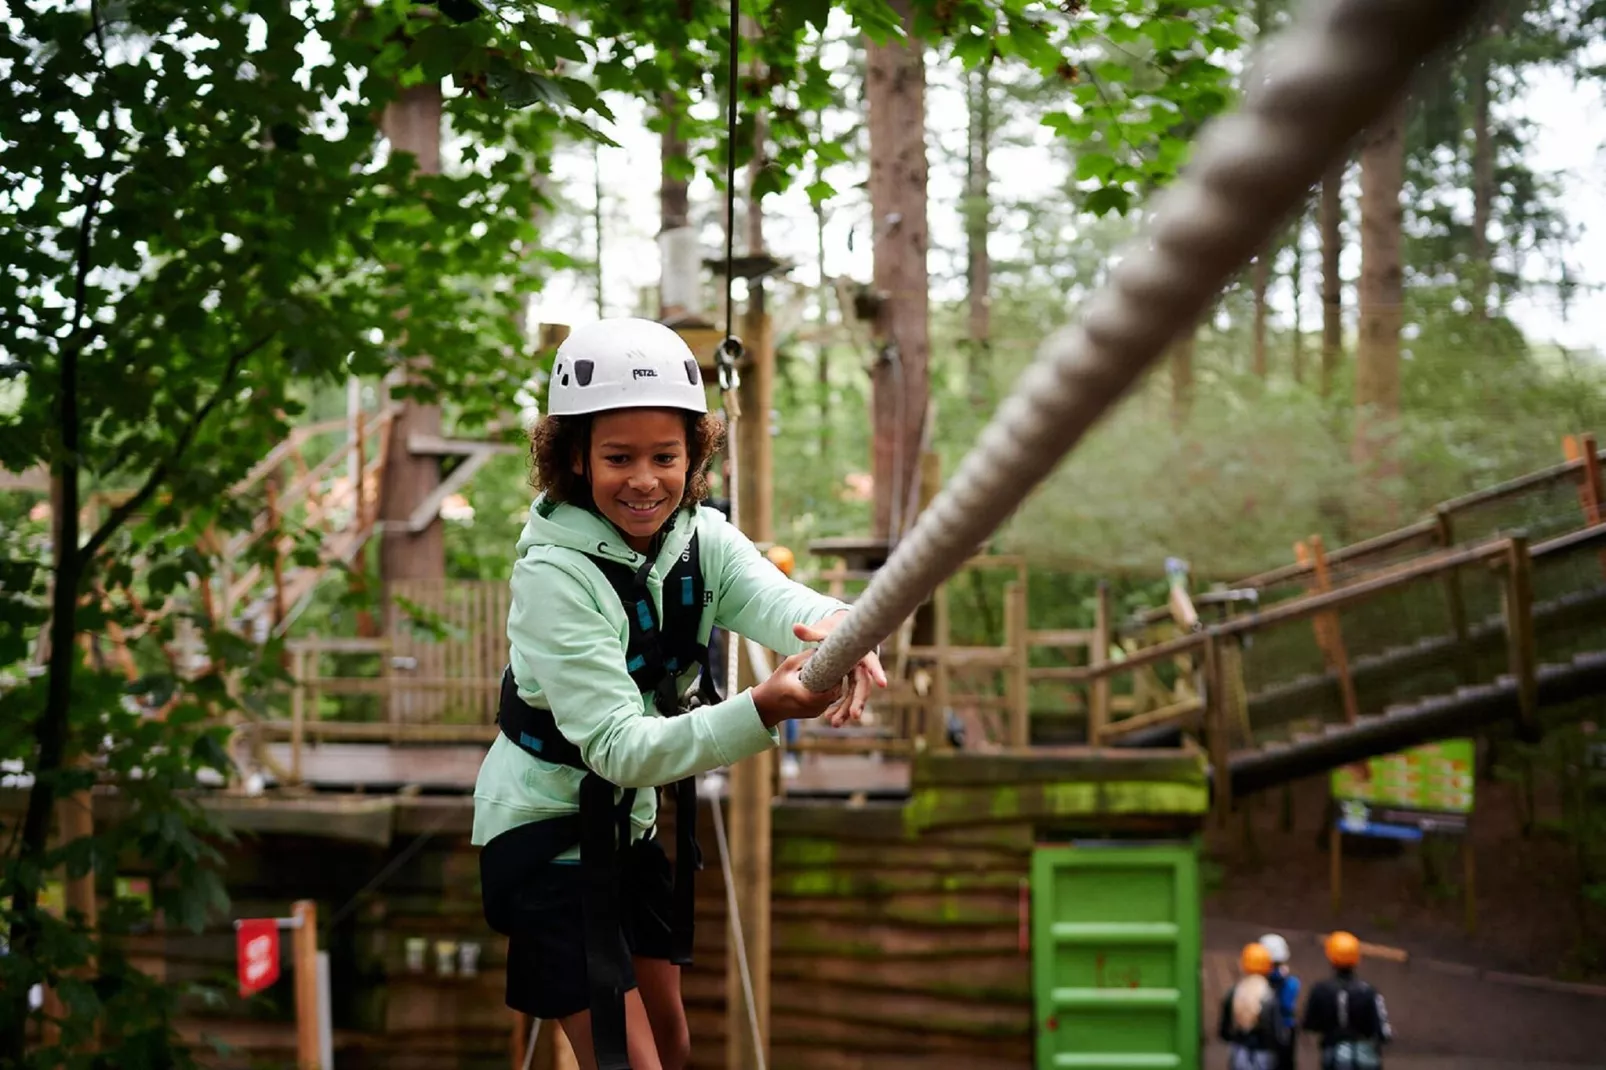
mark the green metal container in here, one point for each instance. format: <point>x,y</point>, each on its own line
<point>1115,956</point>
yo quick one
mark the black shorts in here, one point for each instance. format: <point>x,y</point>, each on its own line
<point>540,909</point>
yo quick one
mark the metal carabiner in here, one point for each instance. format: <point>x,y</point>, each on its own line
<point>725,357</point>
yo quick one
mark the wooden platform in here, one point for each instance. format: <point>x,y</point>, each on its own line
<point>383,768</point>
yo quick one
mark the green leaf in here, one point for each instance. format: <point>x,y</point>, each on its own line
<point>819,191</point>
<point>1107,200</point>
<point>1061,124</point>
<point>1094,165</point>
<point>439,50</point>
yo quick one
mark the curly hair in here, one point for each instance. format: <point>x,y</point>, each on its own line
<point>556,440</point>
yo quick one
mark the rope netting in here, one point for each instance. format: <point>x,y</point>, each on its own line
<point>1318,86</point>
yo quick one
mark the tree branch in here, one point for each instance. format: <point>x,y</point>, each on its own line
<point>128,508</point>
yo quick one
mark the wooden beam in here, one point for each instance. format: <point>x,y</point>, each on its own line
<point>1018,685</point>
<point>428,510</point>
<point>752,782</point>
<point>1098,709</point>
<point>423,445</point>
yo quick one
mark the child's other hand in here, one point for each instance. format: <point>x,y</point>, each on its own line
<point>783,697</point>
<point>850,706</point>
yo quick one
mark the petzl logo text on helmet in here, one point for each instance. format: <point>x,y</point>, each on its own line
<point>643,373</point>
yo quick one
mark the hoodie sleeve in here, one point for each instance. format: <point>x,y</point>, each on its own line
<point>757,600</point>
<point>565,648</point>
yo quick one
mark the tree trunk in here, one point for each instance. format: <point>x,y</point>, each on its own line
<point>823,349</point>
<point>1260,275</point>
<point>597,219</point>
<point>1296,281</point>
<point>978,222</point>
<point>678,253</point>
<point>50,731</point>
<point>413,124</point>
<point>1182,377</point>
<point>1331,215</point>
<point>1482,181</point>
<point>1377,353</point>
<point>895,93</point>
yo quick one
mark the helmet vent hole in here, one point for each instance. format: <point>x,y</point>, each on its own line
<point>582,371</point>
<point>691,371</point>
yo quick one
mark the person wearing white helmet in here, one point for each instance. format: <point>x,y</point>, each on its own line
<point>618,581</point>
<point>1286,985</point>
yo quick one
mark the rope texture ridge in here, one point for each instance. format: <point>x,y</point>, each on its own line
<point>1335,70</point>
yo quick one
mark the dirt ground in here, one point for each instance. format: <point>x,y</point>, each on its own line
<point>1530,918</point>
<point>1441,1020</point>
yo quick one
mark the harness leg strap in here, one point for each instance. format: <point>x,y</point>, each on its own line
<point>688,860</point>
<point>605,949</point>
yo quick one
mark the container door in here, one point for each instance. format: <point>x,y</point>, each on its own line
<point>1115,956</point>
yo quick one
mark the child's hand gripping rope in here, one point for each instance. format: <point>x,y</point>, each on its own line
<point>783,697</point>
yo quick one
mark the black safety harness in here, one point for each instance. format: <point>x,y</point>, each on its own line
<point>657,653</point>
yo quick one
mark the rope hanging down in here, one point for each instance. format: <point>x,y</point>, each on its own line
<point>1321,83</point>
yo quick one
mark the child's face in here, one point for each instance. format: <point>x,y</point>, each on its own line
<point>638,461</point>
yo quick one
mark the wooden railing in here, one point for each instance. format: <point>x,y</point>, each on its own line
<point>1437,531</point>
<point>1223,707</point>
<point>340,510</point>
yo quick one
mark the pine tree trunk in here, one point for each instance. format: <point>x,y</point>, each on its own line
<point>674,216</point>
<point>1377,353</point>
<point>1331,221</point>
<point>1482,181</point>
<point>1296,283</point>
<point>1182,378</point>
<point>895,94</point>
<point>978,212</point>
<point>1260,276</point>
<point>823,349</point>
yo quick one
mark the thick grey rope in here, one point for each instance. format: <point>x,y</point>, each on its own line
<point>1318,86</point>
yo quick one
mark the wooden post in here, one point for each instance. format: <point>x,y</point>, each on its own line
<point>751,784</point>
<point>937,706</point>
<point>1454,600</point>
<point>1335,864</point>
<point>304,951</point>
<point>752,781</point>
<point>1018,687</point>
<point>1328,627</point>
<point>1469,875</point>
<point>1098,708</point>
<point>756,395</point>
<point>1522,655</point>
<point>1219,746</point>
<point>298,710</point>
<point>278,549</point>
<point>1591,495</point>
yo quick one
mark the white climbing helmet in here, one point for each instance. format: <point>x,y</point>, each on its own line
<point>1276,947</point>
<point>624,364</point>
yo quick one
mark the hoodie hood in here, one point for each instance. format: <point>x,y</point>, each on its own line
<point>574,528</point>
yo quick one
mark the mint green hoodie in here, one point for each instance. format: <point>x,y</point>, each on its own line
<point>567,633</point>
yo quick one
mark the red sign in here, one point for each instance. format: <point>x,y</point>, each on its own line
<point>256,943</point>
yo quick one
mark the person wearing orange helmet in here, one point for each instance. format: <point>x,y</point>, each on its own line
<point>1251,1022</point>
<point>1347,1013</point>
<point>781,558</point>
